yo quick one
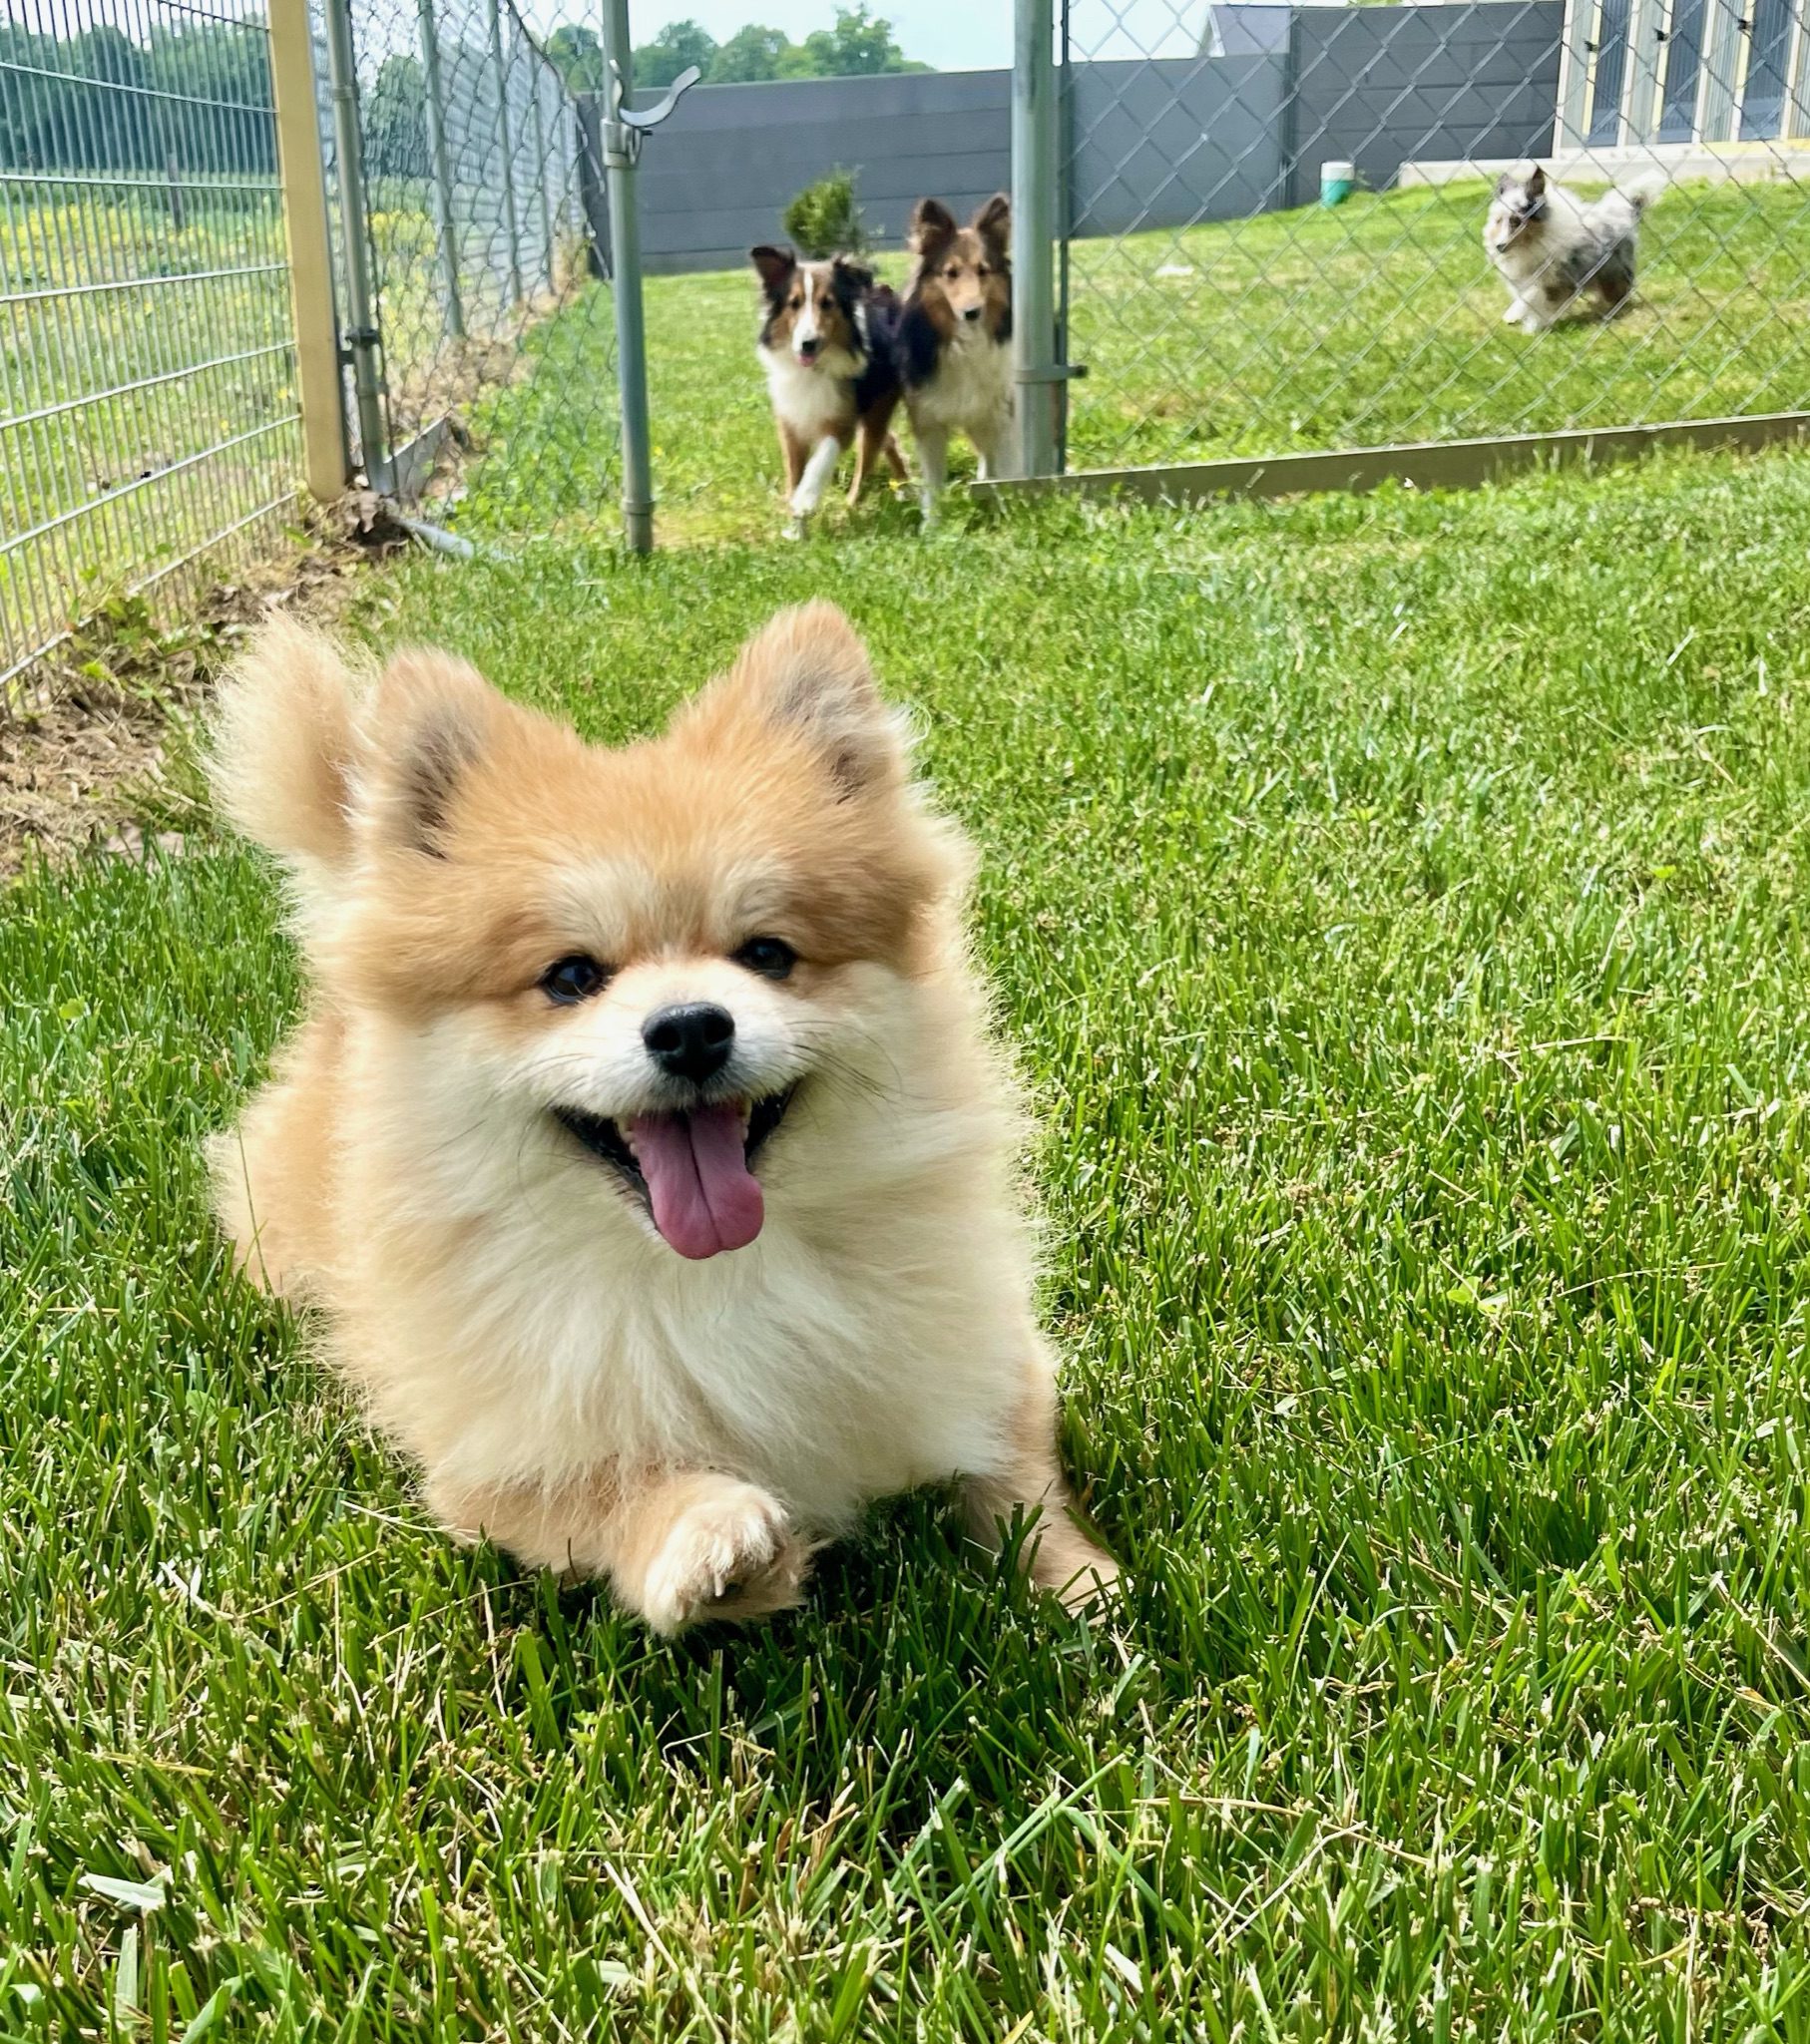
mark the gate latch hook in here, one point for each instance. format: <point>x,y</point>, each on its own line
<point>625,130</point>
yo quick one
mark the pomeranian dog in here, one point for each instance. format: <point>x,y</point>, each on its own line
<point>643,1146</point>
<point>825,346</point>
<point>1551,248</point>
<point>955,340</point>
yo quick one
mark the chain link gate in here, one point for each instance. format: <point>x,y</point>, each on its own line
<point>1270,259</point>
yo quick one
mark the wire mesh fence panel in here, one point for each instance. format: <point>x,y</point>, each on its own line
<point>148,409</point>
<point>1277,220</point>
<point>482,211</point>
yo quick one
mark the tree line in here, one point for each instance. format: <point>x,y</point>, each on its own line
<point>858,46</point>
<point>196,98</point>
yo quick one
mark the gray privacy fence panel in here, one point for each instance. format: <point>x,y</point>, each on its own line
<point>1383,86</point>
<point>733,156</point>
<point>1163,144</point>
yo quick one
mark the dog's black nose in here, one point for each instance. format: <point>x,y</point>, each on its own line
<point>808,348</point>
<point>692,1041</point>
<point>971,312</point>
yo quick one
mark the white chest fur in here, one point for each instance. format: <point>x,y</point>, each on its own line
<point>1527,260</point>
<point>972,385</point>
<point>810,398</point>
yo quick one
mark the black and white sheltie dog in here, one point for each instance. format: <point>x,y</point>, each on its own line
<point>955,339</point>
<point>827,347</point>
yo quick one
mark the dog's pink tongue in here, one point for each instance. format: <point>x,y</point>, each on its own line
<point>704,1196</point>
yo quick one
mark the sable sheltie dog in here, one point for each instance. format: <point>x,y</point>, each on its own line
<point>826,346</point>
<point>643,1145</point>
<point>955,339</point>
<point>1550,246</point>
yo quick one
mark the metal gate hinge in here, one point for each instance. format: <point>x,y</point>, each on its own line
<point>1058,372</point>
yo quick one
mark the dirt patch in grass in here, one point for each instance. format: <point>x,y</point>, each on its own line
<point>91,762</point>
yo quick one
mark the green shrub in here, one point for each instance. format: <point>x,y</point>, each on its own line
<point>826,217</point>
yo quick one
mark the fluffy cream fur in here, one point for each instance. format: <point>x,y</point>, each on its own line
<point>565,1381</point>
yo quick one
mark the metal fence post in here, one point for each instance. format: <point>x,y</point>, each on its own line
<point>445,218</point>
<point>541,169</point>
<point>361,336</point>
<point>1036,126</point>
<point>625,263</point>
<point>510,224</point>
<point>320,392</point>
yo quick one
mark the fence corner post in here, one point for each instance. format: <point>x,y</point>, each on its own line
<point>1036,126</point>
<point>320,388</point>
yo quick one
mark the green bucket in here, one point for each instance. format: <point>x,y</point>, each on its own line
<point>1337,183</point>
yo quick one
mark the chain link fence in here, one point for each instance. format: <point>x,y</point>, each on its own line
<point>1263,224</point>
<point>1269,237</point>
<point>1275,221</point>
<point>148,406</point>
<point>479,321</point>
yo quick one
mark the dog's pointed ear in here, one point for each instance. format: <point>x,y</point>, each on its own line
<point>932,227</point>
<point>775,267</point>
<point>992,224</point>
<point>284,746</point>
<point>806,675</point>
<point>430,720</point>
<point>1536,181</point>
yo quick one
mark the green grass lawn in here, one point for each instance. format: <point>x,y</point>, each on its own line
<point>1377,324</point>
<point>1398,909</point>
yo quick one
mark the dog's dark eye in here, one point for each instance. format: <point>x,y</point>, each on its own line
<point>953,271</point>
<point>572,979</point>
<point>772,956</point>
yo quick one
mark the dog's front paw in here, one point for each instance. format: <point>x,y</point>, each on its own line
<point>793,528</point>
<point>1077,1572</point>
<point>732,1554</point>
<point>1092,1587</point>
